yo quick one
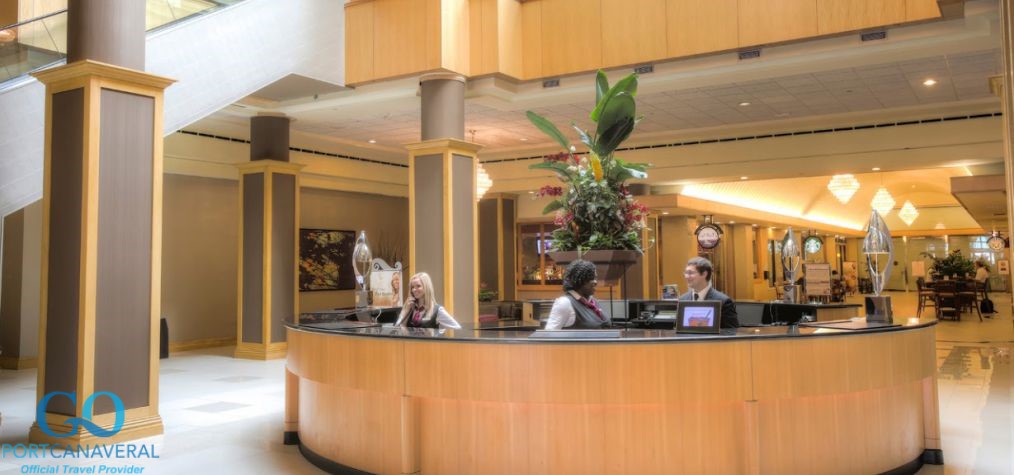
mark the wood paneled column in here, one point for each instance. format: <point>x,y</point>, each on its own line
<point>443,218</point>
<point>102,235</point>
<point>268,230</point>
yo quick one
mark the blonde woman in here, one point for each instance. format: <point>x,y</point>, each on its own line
<point>421,309</point>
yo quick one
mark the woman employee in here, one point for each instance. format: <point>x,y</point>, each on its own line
<point>421,309</point>
<point>576,308</point>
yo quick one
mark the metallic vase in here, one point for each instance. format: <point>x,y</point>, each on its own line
<point>879,257</point>
<point>791,258</point>
<point>362,264</point>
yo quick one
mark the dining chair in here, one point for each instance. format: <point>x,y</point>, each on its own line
<point>945,295</point>
<point>926,296</point>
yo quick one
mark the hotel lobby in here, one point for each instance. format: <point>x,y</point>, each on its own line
<point>159,187</point>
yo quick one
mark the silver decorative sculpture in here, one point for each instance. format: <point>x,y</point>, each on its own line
<point>362,264</point>
<point>792,256</point>
<point>879,256</point>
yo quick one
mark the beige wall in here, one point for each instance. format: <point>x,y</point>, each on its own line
<point>676,246</point>
<point>200,225</point>
<point>384,218</point>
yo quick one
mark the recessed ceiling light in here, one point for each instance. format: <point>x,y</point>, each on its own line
<point>876,169</point>
<point>744,104</point>
<point>929,82</point>
<point>531,192</point>
<point>665,212</point>
<point>373,141</point>
<point>732,222</point>
<point>524,139</point>
<point>754,225</point>
<point>743,177</point>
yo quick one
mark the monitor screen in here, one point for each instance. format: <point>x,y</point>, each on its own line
<point>752,314</point>
<point>702,316</point>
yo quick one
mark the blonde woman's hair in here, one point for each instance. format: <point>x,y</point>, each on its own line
<point>429,303</point>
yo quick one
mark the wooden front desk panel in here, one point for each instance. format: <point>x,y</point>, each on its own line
<point>852,403</point>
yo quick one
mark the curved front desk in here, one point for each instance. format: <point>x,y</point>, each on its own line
<point>769,401</point>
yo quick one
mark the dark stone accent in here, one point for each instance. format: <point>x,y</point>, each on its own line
<point>269,138</point>
<point>123,326</point>
<point>283,253</point>
<point>64,264</point>
<point>253,258</point>
<point>443,109</point>
<point>509,229</point>
<point>163,339</point>
<point>908,468</point>
<point>429,220</point>
<point>328,465</point>
<point>933,456</point>
<point>489,272</point>
<point>290,437</point>
<point>11,270</point>
<point>109,31</point>
<point>462,203</point>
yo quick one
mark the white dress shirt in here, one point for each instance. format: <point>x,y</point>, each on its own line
<point>703,293</point>
<point>562,315</point>
<point>444,320</point>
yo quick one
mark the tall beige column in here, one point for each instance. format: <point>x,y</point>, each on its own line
<point>739,238</point>
<point>1002,86</point>
<point>102,236</point>
<point>443,219</point>
<point>677,244</point>
<point>268,230</point>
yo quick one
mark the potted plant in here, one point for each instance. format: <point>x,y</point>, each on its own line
<point>952,265</point>
<point>597,217</point>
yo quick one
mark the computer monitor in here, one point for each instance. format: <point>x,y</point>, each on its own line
<point>753,314</point>
<point>701,316</point>
<point>789,313</point>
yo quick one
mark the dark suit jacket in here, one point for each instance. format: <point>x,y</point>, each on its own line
<point>730,319</point>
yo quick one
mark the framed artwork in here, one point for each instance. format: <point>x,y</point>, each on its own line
<point>325,260</point>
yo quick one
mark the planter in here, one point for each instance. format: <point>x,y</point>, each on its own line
<point>609,264</point>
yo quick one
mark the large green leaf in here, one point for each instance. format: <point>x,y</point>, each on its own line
<point>627,85</point>
<point>549,129</point>
<point>553,206</point>
<point>618,109</point>
<point>615,135</point>
<point>585,138</point>
<point>559,167</point>
<point>601,86</point>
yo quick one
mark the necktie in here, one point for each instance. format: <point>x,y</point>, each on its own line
<point>696,296</point>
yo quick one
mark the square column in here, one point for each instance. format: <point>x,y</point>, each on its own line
<point>443,222</point>
<point>268,266</point>
<point>101,254</point>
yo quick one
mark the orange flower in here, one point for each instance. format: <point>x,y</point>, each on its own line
<point>596,166</point>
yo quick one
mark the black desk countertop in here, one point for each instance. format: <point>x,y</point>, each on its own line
<point>520,332</point>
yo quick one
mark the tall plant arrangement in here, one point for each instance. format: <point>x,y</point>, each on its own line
<point>594,208</point>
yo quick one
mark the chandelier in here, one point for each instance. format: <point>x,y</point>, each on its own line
<point>908,213</point>
<point>843,187</point>
<point>482,181</point>
<point>882,202</point>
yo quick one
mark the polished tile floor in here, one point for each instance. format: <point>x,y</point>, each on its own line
<point>224,415</point>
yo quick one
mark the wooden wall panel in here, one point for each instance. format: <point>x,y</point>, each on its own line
<point>453,18</point>
<point>510,40</point>
<point>633,31</point>
<point>482,37</point>
<point>921,10</point>
<point>835,16</point>
<point>701,26</point>
<point>531,39</point>
<point>772,21</point>
<point>405,36</point>
<point>570,38</point>
<point>358,42</point>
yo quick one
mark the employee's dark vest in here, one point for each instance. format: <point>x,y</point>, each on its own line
<point>426,322</point>
<point>584,317</point>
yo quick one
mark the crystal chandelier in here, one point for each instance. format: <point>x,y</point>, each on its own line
<point>482,181</point>
<point>908,213</point>
<point>843,187</point>
<point>882,202</point>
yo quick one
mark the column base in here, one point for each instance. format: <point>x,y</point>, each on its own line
<point>260,351</point>
<point>132,430</point>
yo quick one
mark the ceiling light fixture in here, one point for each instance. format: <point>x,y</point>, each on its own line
<point>908,213</point>
<point>883,202</point>
<point>743,177</point>
<point>372,141</point>
<point>744,104</point>
<point>843,187</point>
<point>929,82</point>
<point>876,169</point>
<point>482,181</point>
<point>524,139</point>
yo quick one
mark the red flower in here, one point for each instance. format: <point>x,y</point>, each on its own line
<point>550,191</point>
<point>559,157</point>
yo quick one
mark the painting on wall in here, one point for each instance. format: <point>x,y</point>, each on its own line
<point>325,260</point>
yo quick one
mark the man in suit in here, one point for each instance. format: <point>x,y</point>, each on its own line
<point>698,274</point>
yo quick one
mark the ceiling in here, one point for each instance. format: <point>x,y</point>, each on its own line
<point>829,81</point>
